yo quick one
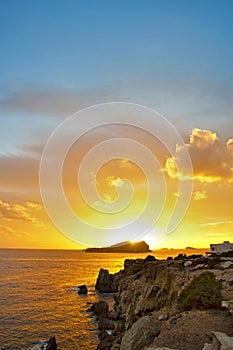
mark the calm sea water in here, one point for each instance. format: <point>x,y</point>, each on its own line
<point>38,296</point>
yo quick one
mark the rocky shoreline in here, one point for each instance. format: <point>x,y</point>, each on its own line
<point>149,296</point>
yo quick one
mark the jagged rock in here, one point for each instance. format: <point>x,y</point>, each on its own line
<point>105,343</point>
<point>114,314</point>
<point>104,282</point>
<point>163,317</point>
<point>207,347</point>
<point>222,341</point>
<point>145,305</point>
<point>100,308</point>
<point>141,334</point>
<point>51,345</point>
<point>82,289</point>
<point>226,265</point>
<point>228,304</point>
<point>151,291</point>
<point>148,286</point>
<point>188,263</point>
<point>130,316</point>
<point>132,266</point>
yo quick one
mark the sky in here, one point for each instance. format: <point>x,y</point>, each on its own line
<point>59,57</point>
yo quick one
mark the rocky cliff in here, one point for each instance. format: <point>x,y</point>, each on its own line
<point>148,308</point>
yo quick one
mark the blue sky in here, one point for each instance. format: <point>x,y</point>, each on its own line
<point>92,43</point>
<point>174,56</point>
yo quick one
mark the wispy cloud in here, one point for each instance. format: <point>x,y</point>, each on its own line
<point>216,223</point>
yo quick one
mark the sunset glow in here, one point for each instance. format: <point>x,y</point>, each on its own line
<point>53,67</point>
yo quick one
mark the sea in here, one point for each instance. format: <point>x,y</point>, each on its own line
<point>39,295</point>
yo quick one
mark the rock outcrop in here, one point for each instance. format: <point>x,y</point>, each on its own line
<point>51,345</point>
<point>147,310</point>
<point>220,342</point>
<point>142,333</point>
<point>100,308</point>
<point>105,282</point>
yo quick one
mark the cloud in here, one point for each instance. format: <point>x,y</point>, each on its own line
<point>212,158</point>
<point>116,182</point>
<point>6,231</point>
<point>59,102</point>
<point>217,223</point>
<point>198,195</point>
<point>12,211</point>
<point>33,205</point>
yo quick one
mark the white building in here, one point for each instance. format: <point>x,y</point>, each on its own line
<point>221,247</point>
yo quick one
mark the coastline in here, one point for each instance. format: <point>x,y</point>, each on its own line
<point>146,310</point>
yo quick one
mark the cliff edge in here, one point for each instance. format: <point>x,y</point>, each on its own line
<point>178,304</point>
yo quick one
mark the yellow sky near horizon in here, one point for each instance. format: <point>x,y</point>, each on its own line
<point>25,224</point>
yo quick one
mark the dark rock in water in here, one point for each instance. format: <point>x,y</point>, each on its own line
<point>82,289</point>
<point>100,308</point>
<point>52,345</point>
<point>104,283</point>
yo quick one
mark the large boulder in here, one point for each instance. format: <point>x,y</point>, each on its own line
<point>100,308</point>
<point>141,334</point>
<point>104,283</point>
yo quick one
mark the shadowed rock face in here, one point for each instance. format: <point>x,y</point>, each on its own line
<point>100,308</point>
<point>104,283</point>
<point>140,334</point>
<point>52,345</point>
<point>126,247</point>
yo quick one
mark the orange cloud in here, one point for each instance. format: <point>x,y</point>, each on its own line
<point>212,158</point>
<point>198,195</point>
<point>6,230</point>
<point>19,212</point>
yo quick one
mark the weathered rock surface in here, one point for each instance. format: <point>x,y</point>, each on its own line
<point>105,283</point>
<point>221,341</point>
<point>141,333</point>
<point>191,330</point>
<point>147,293</point>
<point>100,308</point>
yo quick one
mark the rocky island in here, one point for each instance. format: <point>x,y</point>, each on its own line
<point>184,303</point>
<point>124,247</point>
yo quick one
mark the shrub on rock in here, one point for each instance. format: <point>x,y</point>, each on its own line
<point>202,293</point>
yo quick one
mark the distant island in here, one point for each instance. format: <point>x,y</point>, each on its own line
<point>123,247</point>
